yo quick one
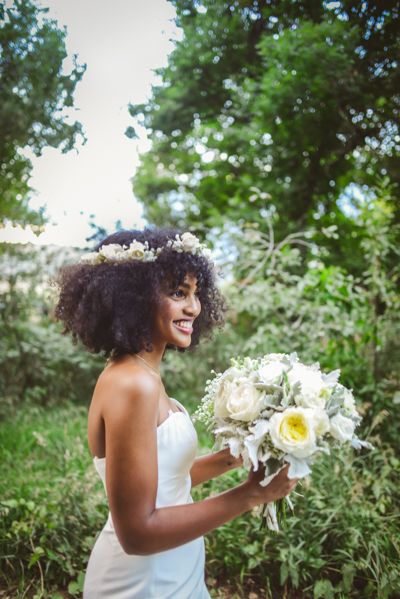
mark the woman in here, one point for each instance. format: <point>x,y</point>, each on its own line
<point>138,294</point>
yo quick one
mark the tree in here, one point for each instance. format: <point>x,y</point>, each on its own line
<point>299,99</point>
<point>33,93</point>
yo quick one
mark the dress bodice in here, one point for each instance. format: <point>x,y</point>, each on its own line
<point>176,450</point>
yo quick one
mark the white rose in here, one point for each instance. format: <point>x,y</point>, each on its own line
<point>237,397</point>
<point>342,428</point>
<point>314,391</point>
<point>321,422</point>
<point>292,431</point>
<point>136,250</point>
<point>110,251</point>
<point>271,373</point>
<point>189,242</point>
<point>224,389</point>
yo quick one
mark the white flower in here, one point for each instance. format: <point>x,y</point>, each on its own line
<point>110,251</point>
<point>342,428</point>
<point>136,250</point>
<point>176,244</point>
<point>271,373</point>
<point>190,242</point>
<point>90,258</point>
<point>237,397</point>
<point>223,389</point>
<point>321,422</point>
<point>314,391</point>
<point>245,402</point>
<point>114,252</point>
<point>292,431</point>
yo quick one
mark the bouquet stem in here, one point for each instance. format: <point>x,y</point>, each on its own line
<point>273,515</point>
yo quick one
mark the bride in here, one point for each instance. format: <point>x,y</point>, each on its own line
<point>137,295</point>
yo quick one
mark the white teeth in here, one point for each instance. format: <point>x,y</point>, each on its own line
<point>183,323</point>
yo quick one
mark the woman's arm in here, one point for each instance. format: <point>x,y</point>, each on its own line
<point>212,465</point>
<point>129,408</point>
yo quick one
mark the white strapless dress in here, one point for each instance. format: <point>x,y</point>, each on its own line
<point>176,573</point>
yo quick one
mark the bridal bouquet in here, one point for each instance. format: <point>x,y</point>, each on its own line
<point>275,409</point>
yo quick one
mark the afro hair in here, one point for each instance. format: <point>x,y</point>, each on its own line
<point>110,306</point>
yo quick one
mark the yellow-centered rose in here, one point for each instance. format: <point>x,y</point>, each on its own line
<point>292,431</point>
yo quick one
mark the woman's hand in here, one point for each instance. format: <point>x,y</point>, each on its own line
<point>230,460</point>
<point>280,486</point>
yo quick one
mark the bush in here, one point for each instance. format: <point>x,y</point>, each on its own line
<point>52,500</point>
<point>37,363</point>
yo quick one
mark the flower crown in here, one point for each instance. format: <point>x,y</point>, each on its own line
<point>114,252</point>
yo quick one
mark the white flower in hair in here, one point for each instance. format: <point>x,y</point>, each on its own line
<point>137,250</point>
<point>112,251</point>
<point>91,258</point>
<point>188,242</point>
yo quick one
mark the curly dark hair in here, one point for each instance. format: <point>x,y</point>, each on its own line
<point>110,306</point>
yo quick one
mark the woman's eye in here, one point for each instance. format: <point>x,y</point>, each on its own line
<point>180,293</point>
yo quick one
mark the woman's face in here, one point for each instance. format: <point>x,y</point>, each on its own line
<point>176,312</point>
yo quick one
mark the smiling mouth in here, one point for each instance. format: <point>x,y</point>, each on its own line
<point>185,326</point>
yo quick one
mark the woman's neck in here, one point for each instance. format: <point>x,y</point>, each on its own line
<point>154,357</point>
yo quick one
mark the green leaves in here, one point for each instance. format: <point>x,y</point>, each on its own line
<point>38,552</point>
<point>34,91</point>
<point>323,589</point>
<point>285,97</point>
<point>47,495</point>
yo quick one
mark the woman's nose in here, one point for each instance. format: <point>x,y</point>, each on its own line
<point>193,306</point>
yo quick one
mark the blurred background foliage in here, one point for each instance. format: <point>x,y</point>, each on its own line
<point>300,99</point>
<point>275,137</point>
<point>34,90</point>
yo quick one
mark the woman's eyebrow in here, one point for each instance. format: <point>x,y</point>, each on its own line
<point>187,286</point>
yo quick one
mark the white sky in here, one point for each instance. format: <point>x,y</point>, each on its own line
<point>121,42</point>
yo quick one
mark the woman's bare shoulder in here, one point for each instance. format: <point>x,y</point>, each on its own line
<point>124,379</point>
